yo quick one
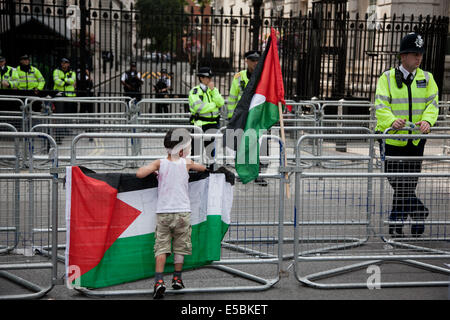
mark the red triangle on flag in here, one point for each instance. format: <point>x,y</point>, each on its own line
<point>97,219</point>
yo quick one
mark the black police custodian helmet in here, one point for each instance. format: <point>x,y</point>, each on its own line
<point>253,55</point>
<point>204,72</point>
<point>412,43</point>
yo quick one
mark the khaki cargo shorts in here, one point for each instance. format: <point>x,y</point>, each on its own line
<point>176,226</point>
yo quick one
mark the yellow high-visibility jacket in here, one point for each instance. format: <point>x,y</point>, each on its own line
<point>64,82</point>
<point>30,80</point>
<point>9,77</point>
<point>417,103</point>
<point>204,106</point>
<point>238,85</point>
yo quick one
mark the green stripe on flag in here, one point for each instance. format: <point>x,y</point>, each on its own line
<point>260,117</point>
<point>132,258</point>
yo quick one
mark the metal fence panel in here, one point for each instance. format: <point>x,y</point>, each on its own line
<point>28,220</point>
<point>344,215</point>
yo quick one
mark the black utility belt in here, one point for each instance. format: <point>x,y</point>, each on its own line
<point>198,117</point>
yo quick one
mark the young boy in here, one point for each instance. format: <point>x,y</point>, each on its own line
<point>173,209</point>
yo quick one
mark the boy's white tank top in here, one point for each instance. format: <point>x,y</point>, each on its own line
<point>173,187</point>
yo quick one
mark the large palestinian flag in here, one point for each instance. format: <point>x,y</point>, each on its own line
<point>111,218</point>
<point>258,110</point>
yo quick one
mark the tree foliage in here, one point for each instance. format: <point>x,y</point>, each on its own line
<point>163,21</point>
<point>160,20</point>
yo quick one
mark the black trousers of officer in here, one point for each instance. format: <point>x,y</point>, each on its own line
<point>161,107</point>
<point>405,201</point>
<point>206,143</point>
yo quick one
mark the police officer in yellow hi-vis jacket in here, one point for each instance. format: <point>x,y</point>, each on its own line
<point>64,79</point>
<point>406,96</point>
<point>205,102</point>
<point>241,80</point>
<point>7,80</point>
<point>29,80</point>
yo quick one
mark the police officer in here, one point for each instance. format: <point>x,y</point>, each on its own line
<point>64,79</point>
<point>238,85</point>
<point>85,86</point>
<point>29,79</point>
<point>241,80</point>
<point>6,75</point>
<point>406,95</point>
<point>132,82</point>
<point>162,88</point>
<point>7,86</point>
<point>204,104</point>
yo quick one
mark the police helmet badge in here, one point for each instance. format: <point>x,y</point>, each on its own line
<point>419,41</point>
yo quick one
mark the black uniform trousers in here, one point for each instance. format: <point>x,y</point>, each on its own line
<point>209,153</point>
<point>405,201</point>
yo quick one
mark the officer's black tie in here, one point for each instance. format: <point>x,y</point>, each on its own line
<point>409,79</point>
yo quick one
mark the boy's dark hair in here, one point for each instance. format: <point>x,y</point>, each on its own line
<point>174,137</point>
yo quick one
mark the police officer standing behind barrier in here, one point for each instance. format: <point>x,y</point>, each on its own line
<point>7,85</point>
<point>204,104</point>
<point>162,88</point>
<point>29,80</point>
<point>64,84</point>
<point>6,75</point>
<point>241,80</point>
<point>132,82</point>
<point>406,96</point>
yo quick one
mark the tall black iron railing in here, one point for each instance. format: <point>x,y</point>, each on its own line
<point>327,54</point>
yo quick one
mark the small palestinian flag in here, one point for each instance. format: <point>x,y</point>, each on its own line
<point>111,219</point>
<point>257,110</point>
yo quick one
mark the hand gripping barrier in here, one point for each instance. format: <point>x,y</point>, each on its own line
<point>33,199</point>
<point>342,216</point>
<point>249,241</point>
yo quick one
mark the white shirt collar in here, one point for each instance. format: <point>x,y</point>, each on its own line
<point>406,72</point>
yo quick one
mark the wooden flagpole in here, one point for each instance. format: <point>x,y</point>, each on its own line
<point>283,138</point>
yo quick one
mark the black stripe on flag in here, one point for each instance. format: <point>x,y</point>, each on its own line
<point>125,182</point>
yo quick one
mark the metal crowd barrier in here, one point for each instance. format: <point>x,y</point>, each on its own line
<point>28,199</point>
<point>98,146</point>
<point>175,107</point>
<point>342,216</point>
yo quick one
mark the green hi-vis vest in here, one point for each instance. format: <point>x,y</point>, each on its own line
<point>64,82</point>
<point>9,77</point>
<point>205,105</point>
<point>238,85</point>
<point>29,80</point>
<point>419,103</point>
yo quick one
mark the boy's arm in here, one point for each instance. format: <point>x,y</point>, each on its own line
<point>191,165</point>
<point>148,169</point>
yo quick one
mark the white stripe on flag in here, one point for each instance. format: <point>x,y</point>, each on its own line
<point>220,197</point>
<point>257,99</point>
<point>68,205</point>
<point>144,201</point>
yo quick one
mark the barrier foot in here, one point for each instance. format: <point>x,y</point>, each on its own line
<point>265,284</point>
<point>38,291</point>
<point>44,251</point>
<point>310,280</point>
